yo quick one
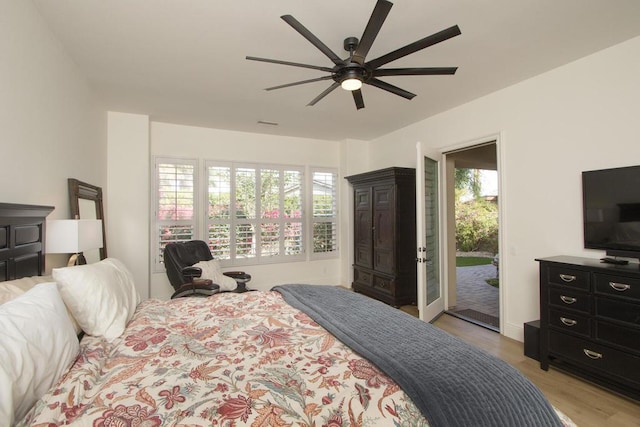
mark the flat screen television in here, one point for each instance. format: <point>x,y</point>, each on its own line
<point>611,210</point>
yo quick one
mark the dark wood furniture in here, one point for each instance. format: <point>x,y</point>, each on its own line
<point>590,321</point>
<point>384,265</point>
<point>22,240</point>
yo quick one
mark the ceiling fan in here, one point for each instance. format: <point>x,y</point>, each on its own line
<point>352,72</point>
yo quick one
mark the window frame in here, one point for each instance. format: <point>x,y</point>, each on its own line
<point>200,222</point>
<point>258,259</point>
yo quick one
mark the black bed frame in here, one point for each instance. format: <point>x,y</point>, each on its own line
<point>22,240</point>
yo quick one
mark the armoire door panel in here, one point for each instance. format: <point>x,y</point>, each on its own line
<point>384,230</point>
<point>383,197</point>
<point>362,228</point>
<point>362,199</point>
<point>363,256</point>
<point>384,261</point>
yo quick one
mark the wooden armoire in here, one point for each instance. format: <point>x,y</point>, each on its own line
<point>384,264</point>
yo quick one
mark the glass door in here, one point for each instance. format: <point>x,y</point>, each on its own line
<point>428,202</point>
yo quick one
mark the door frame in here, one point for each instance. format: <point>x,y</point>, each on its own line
<point>445,260</point>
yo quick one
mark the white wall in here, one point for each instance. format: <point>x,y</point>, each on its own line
<point>127,216</point>
<point>51,128</point>
<point>214,144</point>
<point>577,117</point>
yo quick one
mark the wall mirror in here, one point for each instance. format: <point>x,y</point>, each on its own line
<point>86,203</point>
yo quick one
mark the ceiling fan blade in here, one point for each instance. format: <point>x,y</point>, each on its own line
<point>293,64</point>
<point>300,82</point>
<point>415,46</point>
<point>357,97</point>
<point>390,88</point>
<point>312,38</point>
<point>370,33</point>
<point>326,92</point>
<point>432,71</point>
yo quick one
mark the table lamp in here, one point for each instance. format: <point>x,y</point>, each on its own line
<point>73,236</point>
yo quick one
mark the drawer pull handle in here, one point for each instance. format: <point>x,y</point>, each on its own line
<point>568,300</point>
<point>568,322</point>
<point>592,354</point>
<point>620,287</point>
<point>568,277</point>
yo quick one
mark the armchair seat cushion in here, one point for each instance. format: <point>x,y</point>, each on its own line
<point>211,270</point>
<point>197,288</point>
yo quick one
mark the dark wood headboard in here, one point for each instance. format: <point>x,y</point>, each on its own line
<point>22,239</point>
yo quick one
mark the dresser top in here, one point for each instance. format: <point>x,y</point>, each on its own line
<point>593,263</point>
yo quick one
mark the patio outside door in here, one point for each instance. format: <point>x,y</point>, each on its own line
<point>428,201</point>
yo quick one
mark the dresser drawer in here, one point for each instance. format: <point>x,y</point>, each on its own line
<point>619,335</point>
<point>564,276</point>
<point>384,284</point>
<point>570,322</point>
<point>615,309</point>
<point>599,358</point>
<point>619,286</point>
<point>362,277</point>
<point>569,298</point>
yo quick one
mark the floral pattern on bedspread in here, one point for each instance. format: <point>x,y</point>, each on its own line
<point>228,360</point>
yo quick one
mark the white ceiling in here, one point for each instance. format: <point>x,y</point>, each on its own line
<point>183,61</point>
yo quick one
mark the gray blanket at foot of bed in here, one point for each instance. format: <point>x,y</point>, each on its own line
<point>450,381</point>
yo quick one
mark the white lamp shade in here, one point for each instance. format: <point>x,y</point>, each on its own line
<point>66,236</point>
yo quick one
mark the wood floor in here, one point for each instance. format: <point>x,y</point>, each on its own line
<point>586,404</point>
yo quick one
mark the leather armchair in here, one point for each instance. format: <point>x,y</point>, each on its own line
<point>179,258</point>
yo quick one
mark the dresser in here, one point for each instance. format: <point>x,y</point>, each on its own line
<point>384,257</point>
<point>590,321</point>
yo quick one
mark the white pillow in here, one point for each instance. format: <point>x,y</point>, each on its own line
<point>13,288</point>
<point>211,270</point>
<point>101,296</point>
<point>37,345</point>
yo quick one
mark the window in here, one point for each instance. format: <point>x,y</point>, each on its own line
<point>324,212</point>
<point>255,212</point>
<point>252,213</point>
<point>175,218</point>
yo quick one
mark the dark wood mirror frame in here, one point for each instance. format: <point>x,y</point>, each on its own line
<point>81,190</point>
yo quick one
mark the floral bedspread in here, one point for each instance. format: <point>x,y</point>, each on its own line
<point>227,360</point>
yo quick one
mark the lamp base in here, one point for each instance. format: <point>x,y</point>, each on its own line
<point>76,259</point>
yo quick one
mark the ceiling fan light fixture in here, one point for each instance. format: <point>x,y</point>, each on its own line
<point>351,84</point>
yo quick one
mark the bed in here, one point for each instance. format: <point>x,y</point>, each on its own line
<point>298,355</point>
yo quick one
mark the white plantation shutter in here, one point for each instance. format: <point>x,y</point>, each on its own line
<point>248,214</point>
<point>175,207</point>
<point>219,207</point>
<point>324,212</point>
<point>255,212</point>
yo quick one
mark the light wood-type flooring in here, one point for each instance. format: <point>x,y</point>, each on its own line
<point>586,404</point>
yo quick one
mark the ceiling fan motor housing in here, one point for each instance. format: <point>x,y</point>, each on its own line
<point>350,70</point>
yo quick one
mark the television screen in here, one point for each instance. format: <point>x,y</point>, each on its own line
<point>611,210</point>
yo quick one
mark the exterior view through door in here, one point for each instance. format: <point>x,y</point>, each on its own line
<point>473,285</point>
<point>457,234</point>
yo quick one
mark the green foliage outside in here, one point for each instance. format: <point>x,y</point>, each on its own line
<point>471,261</point>
<point>493,282</point>
<point>476,218</point>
